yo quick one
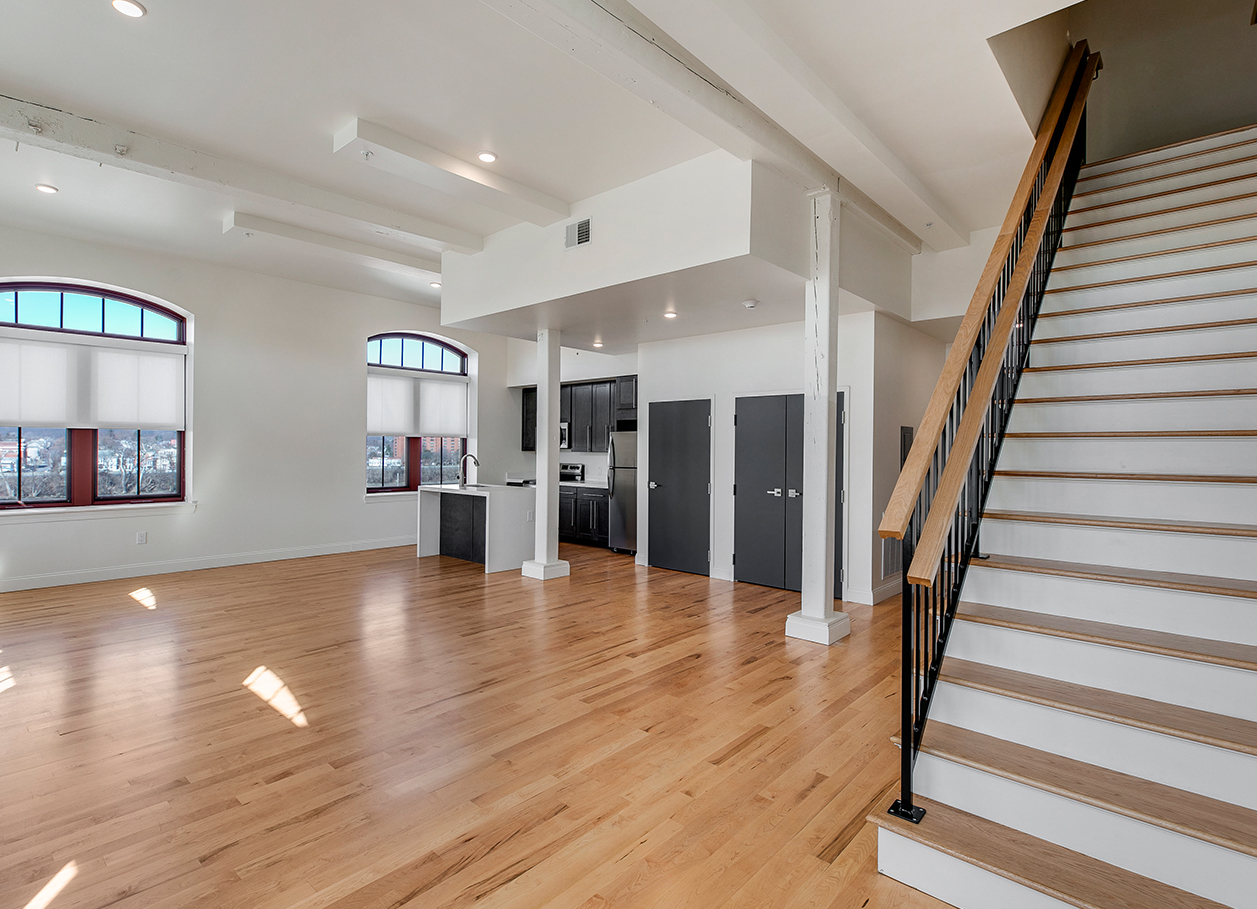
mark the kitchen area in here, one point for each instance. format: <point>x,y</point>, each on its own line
<point>597,460</point>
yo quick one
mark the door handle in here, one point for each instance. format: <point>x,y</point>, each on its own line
<point>775,492</point>
<point>794,493</point>
<point>653,485</point>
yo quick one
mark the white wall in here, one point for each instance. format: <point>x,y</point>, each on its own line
<point>1031,57</point>
<point>279,410</point>
<point>907,364</point>
<point>574,365</point>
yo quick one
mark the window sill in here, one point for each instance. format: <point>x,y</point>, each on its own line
<point>91,512</point>
<point>390,496</point>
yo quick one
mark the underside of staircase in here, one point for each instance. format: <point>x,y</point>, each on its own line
<point>1093,738</point>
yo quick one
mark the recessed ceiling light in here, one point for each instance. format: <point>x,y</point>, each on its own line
<point>46,188</point>
<point>129,8</point>
<point>488,157</point>
<point>435,283</point>
<point>750,304</point>
<point>669,315</point>
<point>597,344</point>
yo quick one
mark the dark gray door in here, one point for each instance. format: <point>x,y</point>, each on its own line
<point>679,485</point>
<point>794,493</point>
<point>838,478</point>
<point>759,476</point>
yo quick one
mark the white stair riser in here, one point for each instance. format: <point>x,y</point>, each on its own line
<point>1186,173</point>
<point>1139,347</point>
<point>1188,285</point>
<point>1140,268</point>
<point>951,880</point>
<point>1209,375</point>
<point>1216,309</point>
<point>1216,773</point>
<point>1154,852</point>
<point>1211,556</point>
<point>1188,683</point>
<point>1159,221</point>
<point>1157,413</point>
<point>1174,611</point>
<point>1130,243</point>
<point>1179,456</point>
<point>1082,213</point>
<point>1211,148</point>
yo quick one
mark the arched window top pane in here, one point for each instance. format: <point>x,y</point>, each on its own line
<point>417,352</point>
<point>85,311</point>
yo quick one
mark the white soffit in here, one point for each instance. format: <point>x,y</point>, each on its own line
<point>372,256</point>
<point>408,158</point>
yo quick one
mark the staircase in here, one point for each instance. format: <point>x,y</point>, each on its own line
<point>1093,737</point>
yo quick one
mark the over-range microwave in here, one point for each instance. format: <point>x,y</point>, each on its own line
<point>564,436</point>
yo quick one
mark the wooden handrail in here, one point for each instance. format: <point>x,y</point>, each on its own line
<point>903,500</point>
<point>929,550</point>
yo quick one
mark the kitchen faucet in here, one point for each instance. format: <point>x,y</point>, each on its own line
<point>462,467</point>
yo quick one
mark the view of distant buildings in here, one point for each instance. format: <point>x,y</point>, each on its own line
<point>128,463</point>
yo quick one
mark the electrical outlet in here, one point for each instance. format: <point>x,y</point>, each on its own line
<point>141,538</point>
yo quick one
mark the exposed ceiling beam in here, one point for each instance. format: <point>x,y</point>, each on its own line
<point>381,147</point>
<point>733,40</point>
<point>611,38</point>
<point>349,250</point>
<point>46,127</point>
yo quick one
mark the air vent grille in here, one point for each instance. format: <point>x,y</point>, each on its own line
<point>892,557</point>
<point>578,234</point>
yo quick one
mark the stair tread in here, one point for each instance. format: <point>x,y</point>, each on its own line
<point>1223,824</point>
<point>1157,276</point>
<point>1061,873</point>
<point>1181,646</point>
<point>1208,184</point>
<point>1146,361</point>
<point>1084,520</point>
<point>1139,396</point>
<point>1207,203</point>
<point>1161,301</point>
<point>1152,330</point>
<point>1198,169</point>
<point>1142,577</point>
<point>1144,713</point>
<point>1092,165</point>
<point>1154,254</point>
<point>1160,231</point>
<point>1135,477</point>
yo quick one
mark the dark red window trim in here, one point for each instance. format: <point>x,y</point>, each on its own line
<point>89,290</point>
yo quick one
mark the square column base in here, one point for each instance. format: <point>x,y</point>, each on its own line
<point>818,630</point>
<point>544,571</point>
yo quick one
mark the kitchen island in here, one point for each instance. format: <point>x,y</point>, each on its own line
<point>479,522</point>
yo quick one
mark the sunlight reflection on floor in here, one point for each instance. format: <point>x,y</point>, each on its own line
<point>270,688</point>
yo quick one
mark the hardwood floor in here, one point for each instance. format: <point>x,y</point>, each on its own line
<point>626,737</point>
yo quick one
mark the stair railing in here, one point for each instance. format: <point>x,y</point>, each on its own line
<point>937,504</point>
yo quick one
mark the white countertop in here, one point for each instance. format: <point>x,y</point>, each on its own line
<point>585,484</point>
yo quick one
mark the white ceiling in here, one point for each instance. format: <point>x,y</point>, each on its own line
<point>912,108</point>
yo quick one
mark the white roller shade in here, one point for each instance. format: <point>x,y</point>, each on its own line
<point>390,406</point>
<point>39,384</point>
<point>442,408</point>
<point>134,389</point>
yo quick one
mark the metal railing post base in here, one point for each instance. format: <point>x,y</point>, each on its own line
<point>898,809</point>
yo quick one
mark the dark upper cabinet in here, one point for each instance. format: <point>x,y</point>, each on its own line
<point>591,411</point>
<point>581,426</point>
<point>528,433</point>
<point>603,418</point>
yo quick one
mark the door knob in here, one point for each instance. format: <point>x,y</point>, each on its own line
<point>775,492</point>
<point>653,485</point>
<point>794,493</point>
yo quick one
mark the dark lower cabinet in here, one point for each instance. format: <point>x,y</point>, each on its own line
<point>463,527</point>
<point>583,515</point>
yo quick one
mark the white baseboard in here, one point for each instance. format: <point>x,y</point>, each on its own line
<point>883,591</point>
<point>142,569</point>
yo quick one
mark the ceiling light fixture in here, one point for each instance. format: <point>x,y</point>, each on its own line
<point>669,315</point>
<point>597,344</point>
<point>129,8</point>
<point>46,188</point>
<point>488,157</point>
<point>750,304</point>
<point>434,283</point>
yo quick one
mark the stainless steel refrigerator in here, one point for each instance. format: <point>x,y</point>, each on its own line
<point>622,492</point>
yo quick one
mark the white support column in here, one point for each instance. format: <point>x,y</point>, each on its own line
<point>545,563</point>
<point>817,621</point>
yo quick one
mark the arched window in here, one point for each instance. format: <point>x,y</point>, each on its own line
<point>417,411</point>
<point>91,397</point>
